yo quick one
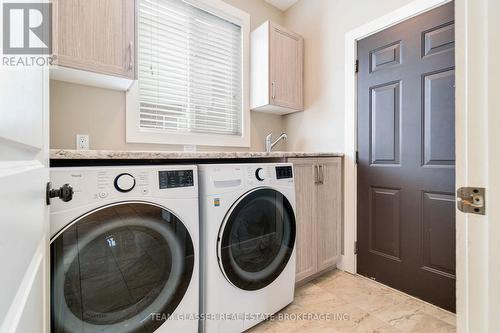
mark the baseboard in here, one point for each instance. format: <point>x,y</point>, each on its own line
<point>314,276</point>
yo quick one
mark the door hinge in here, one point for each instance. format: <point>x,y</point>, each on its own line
<point>356,66</point>
<point>357,157</point>
<point>356,247</point>
<point>471,200</point>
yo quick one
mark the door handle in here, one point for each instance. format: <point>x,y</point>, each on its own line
<point>321,175</point>
<point>65,192</point>
<point>131,56</point>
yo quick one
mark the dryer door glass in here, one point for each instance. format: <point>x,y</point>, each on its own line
<point>257,239</point>
<point>123,268</point>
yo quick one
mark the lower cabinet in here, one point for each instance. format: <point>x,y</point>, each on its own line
<point>318,188</point>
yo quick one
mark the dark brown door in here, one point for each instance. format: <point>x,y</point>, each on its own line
<point>406,143</point>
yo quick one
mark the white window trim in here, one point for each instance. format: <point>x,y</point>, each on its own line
<point>134,134</point>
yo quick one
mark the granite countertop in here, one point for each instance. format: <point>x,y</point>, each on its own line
<point>69,154</point>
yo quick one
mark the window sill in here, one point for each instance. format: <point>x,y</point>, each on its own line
<point>154,137</point>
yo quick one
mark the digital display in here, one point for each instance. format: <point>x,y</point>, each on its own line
<point>283,172</point>
<point>176,178</point>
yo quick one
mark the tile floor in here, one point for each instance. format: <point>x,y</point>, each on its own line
<point>369,307</point>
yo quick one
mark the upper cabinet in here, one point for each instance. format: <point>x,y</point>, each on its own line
<point>96,36</point>
<point>276,70</point>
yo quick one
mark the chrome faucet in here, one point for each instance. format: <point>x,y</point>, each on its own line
<point>269,141</point>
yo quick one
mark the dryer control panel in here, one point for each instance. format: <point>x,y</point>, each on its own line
<point>217,179</point>
<point>284,172</point>
<point>265,174</point>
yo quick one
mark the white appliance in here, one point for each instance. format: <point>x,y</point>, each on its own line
<point>247,226</point>
<point>124,249</point>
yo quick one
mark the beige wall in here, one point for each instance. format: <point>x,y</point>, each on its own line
<point>323,24</point>
<point>100,113</point>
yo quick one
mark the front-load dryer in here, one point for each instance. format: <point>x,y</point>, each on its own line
<point>247,225</point>
<point>124,250</point>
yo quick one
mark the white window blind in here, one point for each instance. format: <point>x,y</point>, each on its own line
<point>190,70</point>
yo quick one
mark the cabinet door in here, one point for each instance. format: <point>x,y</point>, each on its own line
<point>95,35</point>
<point>305,197</point>
<point>329,211</point>
<point>285,67</point>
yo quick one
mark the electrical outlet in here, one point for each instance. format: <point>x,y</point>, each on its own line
<point>82,142</point>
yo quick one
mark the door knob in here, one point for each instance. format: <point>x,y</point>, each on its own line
<point>65,192</point>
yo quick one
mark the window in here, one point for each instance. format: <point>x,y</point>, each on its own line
<point>192,72</point>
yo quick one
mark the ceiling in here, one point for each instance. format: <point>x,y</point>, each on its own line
<point>282,4</point>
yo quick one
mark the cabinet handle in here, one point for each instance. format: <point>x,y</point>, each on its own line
<point>316,174</point>
<point>53,60</point>
<point>321,175</point>
<point>131,56</point>
<point>273,90</point>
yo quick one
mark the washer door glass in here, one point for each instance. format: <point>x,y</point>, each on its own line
<point>257,239</point>
<point>124,268</point>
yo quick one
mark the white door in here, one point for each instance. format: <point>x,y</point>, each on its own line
<point>478,163</point>
<point>23,211</point>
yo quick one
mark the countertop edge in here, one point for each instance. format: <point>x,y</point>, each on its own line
<point>70,154</point>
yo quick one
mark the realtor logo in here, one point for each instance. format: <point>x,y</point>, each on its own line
<point>27,28</point>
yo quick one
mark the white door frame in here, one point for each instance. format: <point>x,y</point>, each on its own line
<point>477,114</point>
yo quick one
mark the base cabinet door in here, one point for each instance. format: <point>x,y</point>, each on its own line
<point>306,251</point>
<point>318,188</point>
<point>329,212</point>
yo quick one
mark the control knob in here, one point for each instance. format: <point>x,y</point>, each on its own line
<point>124,182</point>
<point>258,174</point>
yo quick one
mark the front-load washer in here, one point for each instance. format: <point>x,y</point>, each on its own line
<point>124,250</point>
<point>247,225</point>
